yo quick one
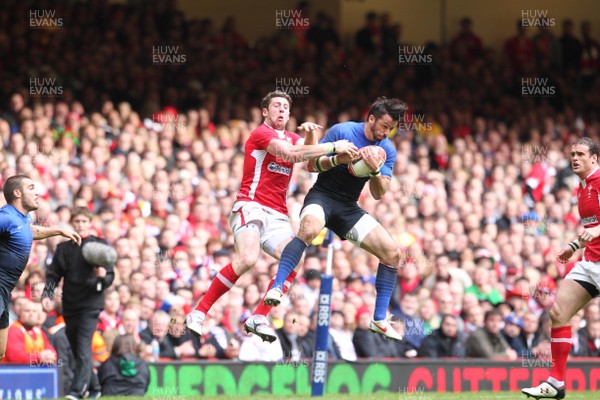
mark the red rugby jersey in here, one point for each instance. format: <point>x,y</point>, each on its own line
<point>266,177</point>
<point>588,199</point>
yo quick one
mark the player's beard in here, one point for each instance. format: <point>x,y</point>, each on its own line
<point>31,205</point>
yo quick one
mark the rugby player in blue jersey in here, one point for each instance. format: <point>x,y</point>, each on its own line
<point>16,236</point>
<point>332,203</point>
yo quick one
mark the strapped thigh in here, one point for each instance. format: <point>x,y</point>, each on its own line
<point>361,229</point>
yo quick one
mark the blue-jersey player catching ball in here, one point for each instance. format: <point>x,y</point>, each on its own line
<point>332,203</point>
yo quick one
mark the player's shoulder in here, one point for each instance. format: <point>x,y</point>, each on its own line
<point>262,130</point>
<point>595,177</point>
<point>8,212</point>
<point>388,146</point>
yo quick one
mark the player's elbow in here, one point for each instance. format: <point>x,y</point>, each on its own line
<point>378,194</point>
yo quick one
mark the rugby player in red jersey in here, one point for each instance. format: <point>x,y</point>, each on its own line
<point>583,282</point>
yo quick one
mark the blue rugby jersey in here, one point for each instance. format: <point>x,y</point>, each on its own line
<point>16,238</point>
<point>338,181</point>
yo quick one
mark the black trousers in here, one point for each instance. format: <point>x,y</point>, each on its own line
<point>80,329</point>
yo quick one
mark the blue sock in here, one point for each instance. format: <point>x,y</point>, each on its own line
<point>290,257</point>
<point>384,283</point>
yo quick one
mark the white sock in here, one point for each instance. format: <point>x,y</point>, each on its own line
<point>555,383</point>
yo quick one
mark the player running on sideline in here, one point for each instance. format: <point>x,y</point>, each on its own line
<point>16,237</point>
<point>583,282</point>
<point>259,218</point>
<point>332,202</point>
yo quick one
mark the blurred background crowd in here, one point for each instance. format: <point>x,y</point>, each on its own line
<point>482,197</point>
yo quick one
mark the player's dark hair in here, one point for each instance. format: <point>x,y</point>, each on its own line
<point>264,103</point>
<point>490,313</point>
<point>590,143</point>
<point>77,211</point>
<point>13,183</point>
<point>393,107</point>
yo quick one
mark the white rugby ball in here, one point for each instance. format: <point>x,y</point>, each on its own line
<point>359,168</point>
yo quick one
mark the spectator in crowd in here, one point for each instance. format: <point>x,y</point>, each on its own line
<point>570,48</point>
<point>157,334</point>
<point>520,51</point>
<point>535,340</point>
<point>311,285</point>
<point>288,337</point>
<point>109,316</point>
<point>415,330</point>
<point>589,345</point>
<point>482,287</point>
<point>124,373</point>
<point>578,348</point>
<point>590,55</point>
<point>547,51</point>
<point>341,337</point>
<point>368,39</point>
<point>446,341</point>
<point>368,345</point>
<point>466,47</point>
<point>28,342</point>
<point>487,342</point>
<point>511,332</point>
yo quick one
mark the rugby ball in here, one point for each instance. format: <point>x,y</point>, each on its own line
<point>359,168</point>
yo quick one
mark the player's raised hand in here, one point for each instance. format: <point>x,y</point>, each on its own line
<point>309,126</point>
<point>564,255</point>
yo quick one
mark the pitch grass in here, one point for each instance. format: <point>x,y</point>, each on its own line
<point>377,396</point>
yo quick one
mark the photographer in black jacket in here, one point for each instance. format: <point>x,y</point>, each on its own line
<point>82,299</point>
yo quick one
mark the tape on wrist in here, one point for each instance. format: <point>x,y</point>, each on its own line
<point>575,245</point>
<point>333,161</point>
<point>318,164</point>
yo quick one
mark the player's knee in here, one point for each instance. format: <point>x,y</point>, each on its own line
<point>246,261</point>
<point>309,229</point>
<point>2,354</point>
<point>556,314</point>
<point>391,256</point>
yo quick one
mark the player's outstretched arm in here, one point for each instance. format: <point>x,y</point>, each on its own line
<point>43,232</point>
<point>299,153</point>
<point>325,163</point>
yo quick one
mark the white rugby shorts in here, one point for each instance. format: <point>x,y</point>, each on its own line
<point>275,227</point>
<point>586,271</point>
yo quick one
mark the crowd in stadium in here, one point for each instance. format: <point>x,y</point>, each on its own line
<point>481,200</point>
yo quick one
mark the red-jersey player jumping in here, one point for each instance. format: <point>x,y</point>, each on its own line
<point>583,282</point>
<point>259,218</point>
